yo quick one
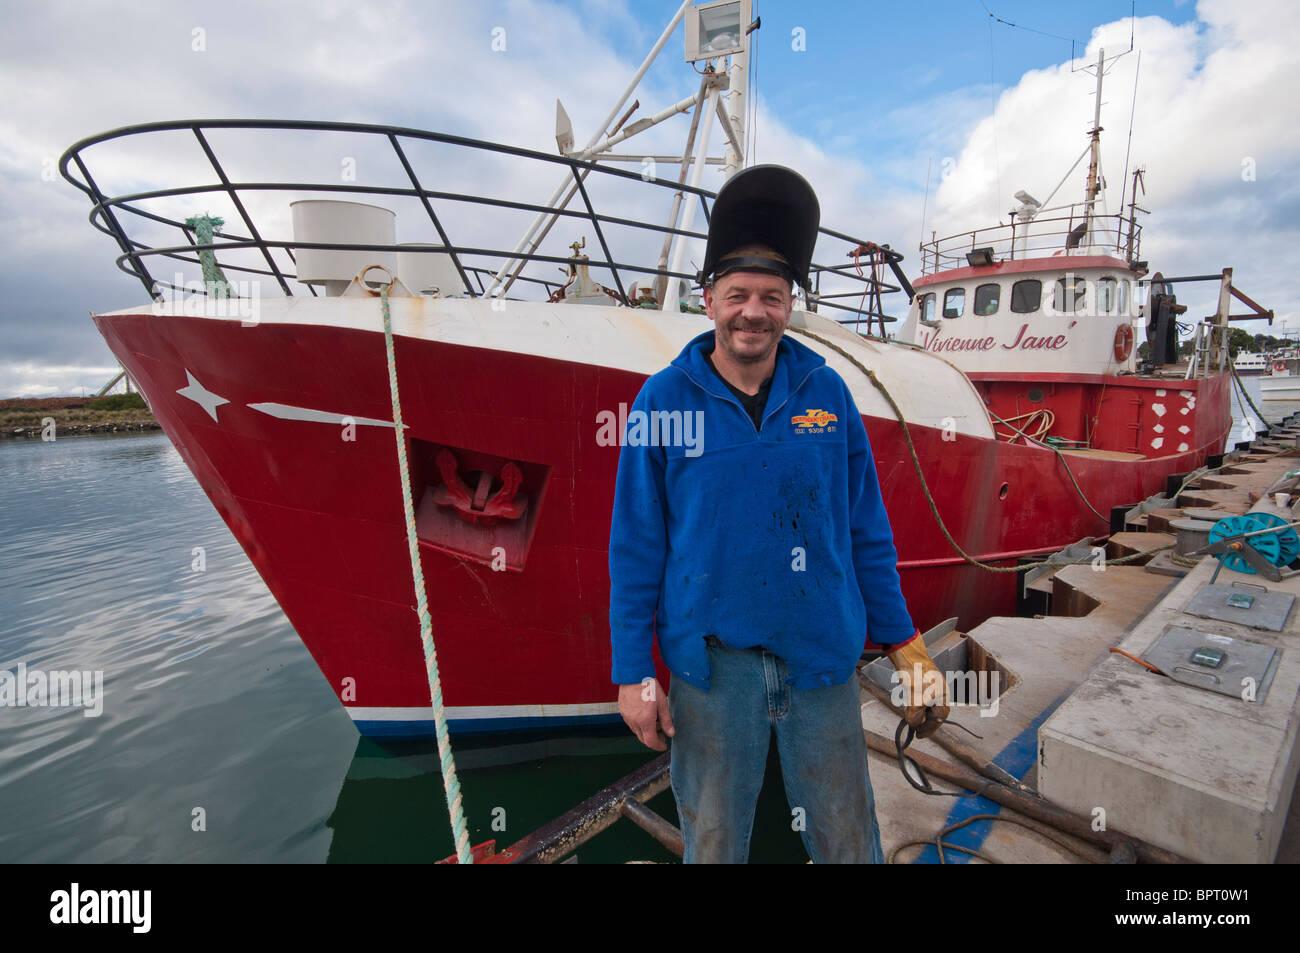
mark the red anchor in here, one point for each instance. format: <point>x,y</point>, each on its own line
<point>476,507</point>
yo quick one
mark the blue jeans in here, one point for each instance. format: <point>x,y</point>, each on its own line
<point>719,754</point>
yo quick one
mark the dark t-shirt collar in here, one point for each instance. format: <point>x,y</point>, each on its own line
<point>753,403</point>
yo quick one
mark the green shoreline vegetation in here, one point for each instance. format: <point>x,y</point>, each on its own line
<point>27,417</point>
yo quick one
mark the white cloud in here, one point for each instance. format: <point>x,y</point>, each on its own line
<point>65,75</point>
<point>47,380</point>
<point>1209,100</point>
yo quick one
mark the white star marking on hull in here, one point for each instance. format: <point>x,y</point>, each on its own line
<point>202,396</point>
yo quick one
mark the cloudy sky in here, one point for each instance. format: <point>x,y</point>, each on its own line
<point>872,102</point>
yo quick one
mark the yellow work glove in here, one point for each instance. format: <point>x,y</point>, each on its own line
<point>924,690</point>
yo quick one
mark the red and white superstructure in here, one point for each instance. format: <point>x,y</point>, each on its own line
<point>1049,341</point>
<point>281,407</point>
<point>1069,344</point>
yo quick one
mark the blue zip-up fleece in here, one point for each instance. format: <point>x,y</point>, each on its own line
<point>775,538</point>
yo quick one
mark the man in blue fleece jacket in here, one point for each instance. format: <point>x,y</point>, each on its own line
<point>757,551</point>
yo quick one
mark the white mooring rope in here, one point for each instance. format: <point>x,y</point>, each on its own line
<point>450,783</point>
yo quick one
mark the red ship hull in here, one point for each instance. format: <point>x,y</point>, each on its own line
<point>527,643</point>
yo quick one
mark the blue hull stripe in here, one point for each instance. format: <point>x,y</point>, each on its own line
<point>471,726</point>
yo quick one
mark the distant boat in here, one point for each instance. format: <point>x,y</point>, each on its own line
<point>1283,380</point>
<point>1251,362</point>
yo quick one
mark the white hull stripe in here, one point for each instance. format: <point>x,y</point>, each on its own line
<point>289,412</point>
<point>474,712</point>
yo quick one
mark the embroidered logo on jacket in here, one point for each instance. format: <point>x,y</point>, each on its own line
<point>814,421</point>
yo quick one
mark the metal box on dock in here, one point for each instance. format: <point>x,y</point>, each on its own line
<point>1217,663</point>
<point>1249,605</point>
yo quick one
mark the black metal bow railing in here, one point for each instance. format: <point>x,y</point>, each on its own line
<point>123,216</point>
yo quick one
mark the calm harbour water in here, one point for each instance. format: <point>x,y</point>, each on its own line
<point>212,707</point>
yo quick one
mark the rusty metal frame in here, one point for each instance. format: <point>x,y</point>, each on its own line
<point>626,797</point>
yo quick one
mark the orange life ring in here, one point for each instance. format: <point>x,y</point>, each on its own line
<point>1123,342</point>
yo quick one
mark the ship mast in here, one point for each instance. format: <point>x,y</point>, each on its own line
<point>731,116</point>
<point>735,113</point>
<point>1093,189</point>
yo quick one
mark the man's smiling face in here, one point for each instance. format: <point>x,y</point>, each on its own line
<point>750,312</point>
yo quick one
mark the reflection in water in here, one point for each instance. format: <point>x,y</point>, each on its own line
<point>392,808</point>
<point>217,729</point>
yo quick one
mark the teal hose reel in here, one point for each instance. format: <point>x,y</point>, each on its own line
<point>1280,548</point>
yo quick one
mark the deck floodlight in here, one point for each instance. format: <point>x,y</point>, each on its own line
<point>716,29</point>
<point>979,256</point>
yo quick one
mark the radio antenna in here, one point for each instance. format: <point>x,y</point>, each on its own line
<point>925,204</point>
<point>1132,111</point>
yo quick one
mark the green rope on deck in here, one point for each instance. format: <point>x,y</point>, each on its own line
<point>214,279</point>
<point>1246,394</point>
<point>450,783</point>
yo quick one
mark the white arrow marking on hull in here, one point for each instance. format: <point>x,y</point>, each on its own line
<point>289,412</point>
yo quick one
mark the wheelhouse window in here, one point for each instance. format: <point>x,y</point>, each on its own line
<point>954,302</point>
<point>1069,295</point>
<point>1026,296</point>
<point>1141,296</point>
<point>1123,297</point>
<point>986,299</point>
<point>927,307</point>
<point>1106,295</point>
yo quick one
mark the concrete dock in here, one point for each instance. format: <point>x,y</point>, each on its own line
<point>1203,774</point>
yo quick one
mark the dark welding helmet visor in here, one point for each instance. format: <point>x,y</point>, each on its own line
<point>763,205</point>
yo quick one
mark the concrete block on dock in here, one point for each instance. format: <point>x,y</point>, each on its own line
<point>1209,499</point>
<point>1157,521</point>
<point>1206,775</point>
<point>1124,545</point>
